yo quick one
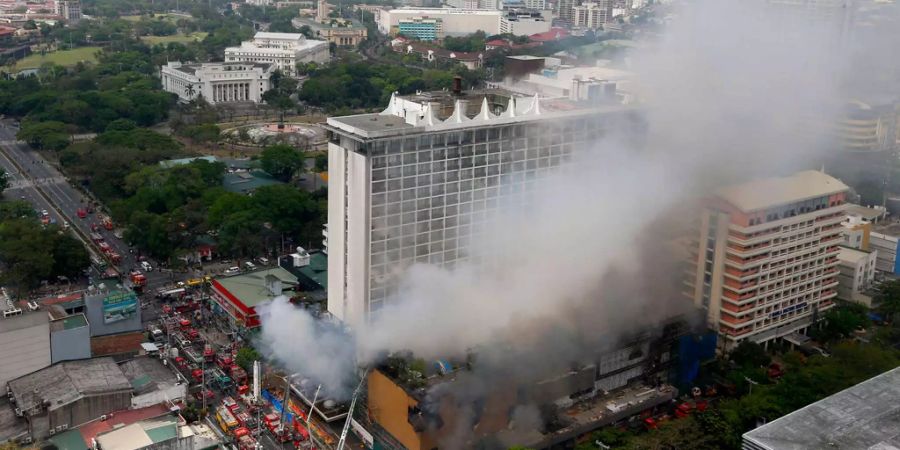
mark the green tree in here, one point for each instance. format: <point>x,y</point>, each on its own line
<point>4,180</point>
<point>841,321</point>
<point>887,298</point>
<point>245,357</point>
<point>281,161</point>
<point>16,210</point>
<point>321,163</point>
<point>49,135</point>
<point>750,354</point>
<point>70,258</point>
<point>25,253</point>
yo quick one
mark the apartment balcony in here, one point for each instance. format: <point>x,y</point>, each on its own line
<point>740,274</point>
<point>736,310</point>
<point>753,238</point>
<point>746,251</point>
<point>828,213</point>
<point>728,320</point>
<point>732,333</point>
<point>739,287</point>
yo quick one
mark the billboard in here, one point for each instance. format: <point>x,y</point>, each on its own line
<point>119,306</point>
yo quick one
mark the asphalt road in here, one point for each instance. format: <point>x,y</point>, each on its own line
<point>35,180</point>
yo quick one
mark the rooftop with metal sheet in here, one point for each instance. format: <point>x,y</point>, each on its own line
<point>66,382</point>
<point>864,416</point>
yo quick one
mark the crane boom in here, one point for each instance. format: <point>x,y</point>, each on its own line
<point>343,439</point>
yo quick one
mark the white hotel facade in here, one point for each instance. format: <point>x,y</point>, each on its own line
<point>415,182</point>
<point>217,82</point>
<point>283,50</point>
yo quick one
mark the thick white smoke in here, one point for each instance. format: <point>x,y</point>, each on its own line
<point>729,94</point>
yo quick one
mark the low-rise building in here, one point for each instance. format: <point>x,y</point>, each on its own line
<point>454,22</point>
<point>862,416</point>
<point>429,53</point>
<point>217,82</point>
<point>856,275</point>
<point>283,50</point>
<point>885,238</point>
<point>236,297</point>
<point>70,338</point>
<point>340,32</point>
<point>160,433</point>
<point>69,394</point>
<point>24,344</point>
<point>421,28</point>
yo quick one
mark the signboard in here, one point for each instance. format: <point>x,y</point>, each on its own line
<point>119,306</point>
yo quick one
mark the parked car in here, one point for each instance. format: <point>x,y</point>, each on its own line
<point>249,265</point>
<point>232,270</point>
<point>263,261</point>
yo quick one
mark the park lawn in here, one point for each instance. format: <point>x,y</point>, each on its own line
<point>180,37</point>
<point>61,57</point>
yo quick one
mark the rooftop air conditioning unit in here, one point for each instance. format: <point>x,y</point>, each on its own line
<point>19,412</point>
<point>52,432</point>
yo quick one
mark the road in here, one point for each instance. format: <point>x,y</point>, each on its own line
<point>36,181</point>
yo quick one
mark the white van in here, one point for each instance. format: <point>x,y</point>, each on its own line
<point>146,266</point>
<point>232,270</point>
<point>249,265</point>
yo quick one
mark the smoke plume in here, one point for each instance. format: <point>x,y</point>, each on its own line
<point>727,93</point>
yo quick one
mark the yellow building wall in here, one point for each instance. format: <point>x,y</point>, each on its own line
<point>389,407</point>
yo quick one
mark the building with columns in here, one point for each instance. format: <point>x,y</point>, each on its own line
<point>283,50</point>
<point>227,82</point>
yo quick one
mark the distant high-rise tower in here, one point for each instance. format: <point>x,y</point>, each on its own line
<point>69,10</point>
<point>767,257</point>
<point>566,10</point>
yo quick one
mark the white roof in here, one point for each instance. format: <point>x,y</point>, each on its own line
<point>285,36</point>
<point>125,438</point>
<point>149,347</point>
<point>446,11</point>
<point>852,255</point>
<point>768,192</point>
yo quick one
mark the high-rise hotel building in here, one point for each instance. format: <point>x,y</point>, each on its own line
<point>412,183</point>
<point>767,256</point>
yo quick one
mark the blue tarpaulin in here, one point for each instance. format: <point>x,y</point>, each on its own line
<point>276,403</point>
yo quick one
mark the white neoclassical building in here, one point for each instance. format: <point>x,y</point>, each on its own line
<point>284,50</point>
<point>217,82</point>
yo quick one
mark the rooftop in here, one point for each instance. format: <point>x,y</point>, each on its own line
<point>247,181</point>
<point>865,212</point>
<point>11,426</point>
<point>182,161</point>
<point>445,110</point>
<point>317,269</point>
<point>285,36</point>
<point>448,11</point>
<point>25,320</point>
<point>69,440</point>
<point>250,288</point>
<point>765,193</point>
<point>69,323</point>
<point>66,382</point>
<point>120,419</point>
<point>147,374</point>
<point>887,227</point>
<point>852,255</point>
<point>860,417</point>
<point>140,434</point>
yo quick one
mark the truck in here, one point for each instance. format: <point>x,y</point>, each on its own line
<point>246,443</point>
<point>209,354</point>
<point>114,257</point>
<point>226,420</point>
<point>238,374</point>
<point>225,361</point>
<point>138,280</point>
<point>82,213</point>
<point>197,375</point>
<point>104,247</point>
<point>106,222</point>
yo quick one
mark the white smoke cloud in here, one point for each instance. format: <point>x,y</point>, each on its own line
<point>729,95</point>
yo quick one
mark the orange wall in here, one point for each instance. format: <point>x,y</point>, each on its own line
<point>389,406</point>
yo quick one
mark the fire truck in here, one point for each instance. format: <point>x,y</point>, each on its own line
<point>138,280</point>
<point>106,222</point>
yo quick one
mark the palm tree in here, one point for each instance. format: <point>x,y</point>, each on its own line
<point>190,90</point>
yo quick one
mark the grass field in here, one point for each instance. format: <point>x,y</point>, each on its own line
<point>61,57</point>
<point>180,37</point>
<point>169,17</point>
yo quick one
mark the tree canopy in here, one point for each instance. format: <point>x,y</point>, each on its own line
<point>281,161</point>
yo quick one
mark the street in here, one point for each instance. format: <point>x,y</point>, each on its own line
<point>36,181</point>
